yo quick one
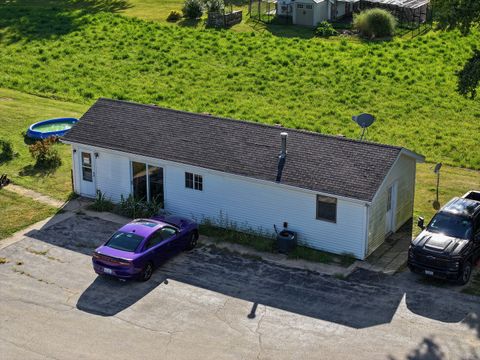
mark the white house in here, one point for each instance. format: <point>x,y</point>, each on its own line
<point>312,12</point>
<point>339,195</point>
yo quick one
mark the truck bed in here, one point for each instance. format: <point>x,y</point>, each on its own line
<point>472,195</point>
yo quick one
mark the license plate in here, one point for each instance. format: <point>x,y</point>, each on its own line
<point>107,271</point>
<point>428,272</point>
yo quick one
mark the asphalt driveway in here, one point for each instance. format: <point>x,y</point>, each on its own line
<point>210,303</point>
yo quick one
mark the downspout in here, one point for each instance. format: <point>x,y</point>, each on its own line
<point>282,158</point>
<point>367,227</point>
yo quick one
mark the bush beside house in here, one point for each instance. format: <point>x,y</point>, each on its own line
<point>375,23</point>
<point>325,29</point>
<point>193,9</point>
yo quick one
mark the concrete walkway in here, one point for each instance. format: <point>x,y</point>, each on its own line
<point>392,255</point>
<point>281,259</point>
<point>45,199</point>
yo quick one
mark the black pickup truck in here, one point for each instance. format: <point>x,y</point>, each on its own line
<point>449,246</point>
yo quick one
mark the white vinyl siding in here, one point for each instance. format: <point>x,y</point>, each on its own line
<point>234,201</point>
<point>112,173</point>
<point>246,203</point>
<point>403,173</point>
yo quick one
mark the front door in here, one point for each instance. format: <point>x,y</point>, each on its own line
<point>304,14</point>
<point>390,214</point>
<point>87,174</point>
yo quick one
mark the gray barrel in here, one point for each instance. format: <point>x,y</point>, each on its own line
<point>286,241</point>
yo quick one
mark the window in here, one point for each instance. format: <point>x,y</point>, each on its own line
<point>326,208</point>
<point>139,175</point>
<point>87,172</point>
<point>155,182</point>
<point>167,232</point>
<point>308,7</point>
<point>124,241</point>
<point>193,181</point>
<point>154,240</point>
<point>299,6</point>
<point>147,181</point>
<point>189,180</point>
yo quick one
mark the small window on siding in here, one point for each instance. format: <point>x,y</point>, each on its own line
<point>193,181</point>
<point>189,180</point>
<point>198,182</point>
<point>326,208</point>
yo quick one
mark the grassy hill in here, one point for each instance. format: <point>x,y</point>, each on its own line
<point>80,53</point>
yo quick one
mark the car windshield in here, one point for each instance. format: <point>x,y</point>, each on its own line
<point>451,225</point>
<point>124,241</point>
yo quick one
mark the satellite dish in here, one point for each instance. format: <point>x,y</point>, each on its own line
<point>364,121</point>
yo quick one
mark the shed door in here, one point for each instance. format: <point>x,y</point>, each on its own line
<point>304,14</point>
<point>87,174</point>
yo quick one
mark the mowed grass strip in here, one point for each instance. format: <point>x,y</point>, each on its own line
<point>453,182</point>
<point>18,212</point>
<point>314,84</point>
<point>17,112</point>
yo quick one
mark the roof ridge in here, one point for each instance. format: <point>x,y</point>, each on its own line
<point>252,123</point>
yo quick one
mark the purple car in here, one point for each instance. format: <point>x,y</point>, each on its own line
<point>136,249</point>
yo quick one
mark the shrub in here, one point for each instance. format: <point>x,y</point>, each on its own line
<point>44,153</point>
<point>101,203</point>
<point>375,23</point>
<point>325,29</point>
<point>215,6</point>
<point>193,9</point>
<point>174,16</point>
<point>6,151</point>
<point>137,208</point>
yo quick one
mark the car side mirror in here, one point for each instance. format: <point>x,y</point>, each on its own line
<point>421,223</point>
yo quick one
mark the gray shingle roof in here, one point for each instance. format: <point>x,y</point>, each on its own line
<point>327,164</point>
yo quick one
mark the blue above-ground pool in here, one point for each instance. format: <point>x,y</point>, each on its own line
<point>53,127</point>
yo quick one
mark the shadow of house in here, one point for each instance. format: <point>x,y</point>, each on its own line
<point>363,300</point>
<point>30,20</point>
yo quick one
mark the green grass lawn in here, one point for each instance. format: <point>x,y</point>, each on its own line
<point>18,212</point>
<point>453,182</point>
<point>78,54</point>
<point>17,112</point>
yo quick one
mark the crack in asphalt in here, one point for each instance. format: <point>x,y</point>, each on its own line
<point>260,345</point>
<point>23,347</point>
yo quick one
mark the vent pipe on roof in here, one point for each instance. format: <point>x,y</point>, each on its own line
<point>282,157</point>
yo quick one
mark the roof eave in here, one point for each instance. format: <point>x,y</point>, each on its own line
<point>419,158</point>
<point>287,186</point>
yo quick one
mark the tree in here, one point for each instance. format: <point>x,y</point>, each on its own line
<point>469,76</point>
<point>462,15</point>
<point>457,14</point>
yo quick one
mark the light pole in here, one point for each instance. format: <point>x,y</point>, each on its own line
<point>436,203</point>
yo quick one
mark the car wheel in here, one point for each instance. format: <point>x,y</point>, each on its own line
<point>193,240</point>
<point>466,273</point>
<point>147,272</point>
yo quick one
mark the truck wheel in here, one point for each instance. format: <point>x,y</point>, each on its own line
<point>466,273</point>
